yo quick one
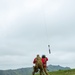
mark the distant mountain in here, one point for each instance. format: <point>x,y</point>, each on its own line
<point>28,71</point>
<point>56,68</point>
<point>22,71</point>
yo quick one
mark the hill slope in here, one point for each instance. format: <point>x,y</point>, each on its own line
<point>62,72</point>
<point>28,71</point>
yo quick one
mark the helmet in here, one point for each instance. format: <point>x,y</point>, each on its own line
<point>43,56</point>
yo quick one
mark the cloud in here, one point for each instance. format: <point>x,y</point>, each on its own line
<point>28,26</point>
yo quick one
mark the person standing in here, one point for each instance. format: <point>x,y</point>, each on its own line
<point>44,61</point>
<point>38,65</point>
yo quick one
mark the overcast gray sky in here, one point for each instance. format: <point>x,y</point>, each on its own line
<point>28,26</point>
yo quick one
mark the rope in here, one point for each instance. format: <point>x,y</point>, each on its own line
<point>45,25</point>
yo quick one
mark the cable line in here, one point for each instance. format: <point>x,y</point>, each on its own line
<point>46,29</point>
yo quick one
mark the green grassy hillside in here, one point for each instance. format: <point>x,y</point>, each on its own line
<point>62,72</point>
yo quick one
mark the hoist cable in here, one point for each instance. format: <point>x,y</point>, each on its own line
<point>45,23</point>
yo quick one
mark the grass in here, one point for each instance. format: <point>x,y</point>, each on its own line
<point>62,72</point>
